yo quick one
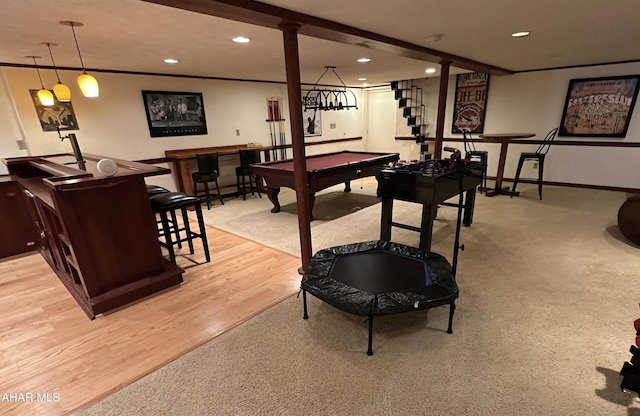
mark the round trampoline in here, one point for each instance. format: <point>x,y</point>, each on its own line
<point>378,278</point>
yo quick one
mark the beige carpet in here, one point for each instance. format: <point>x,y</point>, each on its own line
<point>548,295</point>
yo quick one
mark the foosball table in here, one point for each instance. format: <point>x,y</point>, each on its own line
<point>430,183</point>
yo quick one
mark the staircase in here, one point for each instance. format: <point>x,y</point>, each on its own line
<point>409,97</point>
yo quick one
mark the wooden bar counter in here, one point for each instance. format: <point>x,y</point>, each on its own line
<point>97,232</point>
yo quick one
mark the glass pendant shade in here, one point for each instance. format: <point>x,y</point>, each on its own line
<point>62,92</point>
<point>88,85</point>
<point>45,97</point>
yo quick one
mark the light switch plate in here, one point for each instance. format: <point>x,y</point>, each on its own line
<point>21,145</point>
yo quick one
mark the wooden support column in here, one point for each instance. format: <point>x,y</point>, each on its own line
<point>442,107</point>
<point>294,93</point>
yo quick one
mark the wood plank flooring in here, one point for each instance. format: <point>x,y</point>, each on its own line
<point>54,360</point>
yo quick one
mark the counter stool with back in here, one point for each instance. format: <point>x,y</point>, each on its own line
<point>247,158</point>
<point>537,156</point>
<point>479,155</point>
<point>208,171</point>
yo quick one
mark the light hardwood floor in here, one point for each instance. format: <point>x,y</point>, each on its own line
<point>49,346</point>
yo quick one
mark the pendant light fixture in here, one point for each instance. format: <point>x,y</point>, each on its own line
<point>44,95</point>
<point>87,83</point>
<point>62,92</point>
<point>324,99</point>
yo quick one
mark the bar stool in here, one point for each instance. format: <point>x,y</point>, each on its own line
<point>247,158</point>
<point>537,156</point>
<point>478,155</point>
<point>155,190</point>
<point>170,202</point>
<point>208,171</point>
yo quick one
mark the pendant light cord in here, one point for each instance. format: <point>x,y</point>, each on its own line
<point>38,70</point>
<point>54,63</point>
<point>78,47</point>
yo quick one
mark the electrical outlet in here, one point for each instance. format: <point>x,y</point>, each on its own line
<point>237,132</point>
<point>535,165</point>
<point>332,125</point>
<point>21,145</point>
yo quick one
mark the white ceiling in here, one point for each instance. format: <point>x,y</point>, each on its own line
<point>133,35</point>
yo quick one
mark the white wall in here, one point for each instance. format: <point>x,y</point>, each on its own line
<point>115,124</point>
<point>383,125</point>
<point>533,102</point>
<point>10,128</point>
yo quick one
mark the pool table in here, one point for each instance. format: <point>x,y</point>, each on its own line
<point>323,171</point>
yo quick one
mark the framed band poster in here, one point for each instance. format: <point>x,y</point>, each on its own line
<point>470,102</point>
<point>599,107</point>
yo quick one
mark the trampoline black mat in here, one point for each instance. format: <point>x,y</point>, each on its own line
<point>380,277</point>
<point>379,271</point>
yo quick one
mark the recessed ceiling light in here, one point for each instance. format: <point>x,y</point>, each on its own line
<point>241,39</point>
<point>430,70</point>
<point>170,61</point>
<point>520,34</point>
<point>362,79</point>
<point>364,60</point>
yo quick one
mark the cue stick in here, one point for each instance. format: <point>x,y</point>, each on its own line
<point>272,131</point>
<point>283,151</point>
<point>270,121</point>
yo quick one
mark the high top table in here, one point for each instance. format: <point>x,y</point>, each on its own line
<point>504,139</point>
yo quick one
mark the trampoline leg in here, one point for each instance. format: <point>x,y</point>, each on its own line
<point>370,350</point>
<point>304,303</point>
<point>452,308</point>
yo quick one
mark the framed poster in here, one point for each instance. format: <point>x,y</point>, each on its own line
<point>599,107</point>
<point>58,115</point>
<point>174,113</point>
<point>312,117</point>
<point>470,102</point>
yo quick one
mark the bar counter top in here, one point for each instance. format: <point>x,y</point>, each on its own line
<point>62,170</point>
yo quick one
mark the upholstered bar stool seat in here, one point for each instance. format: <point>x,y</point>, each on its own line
<point>170,202</point>
<point>155,190</point>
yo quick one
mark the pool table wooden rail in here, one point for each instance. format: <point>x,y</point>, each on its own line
<point>322,172</point>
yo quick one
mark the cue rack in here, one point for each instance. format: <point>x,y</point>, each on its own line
<point>276,128</point>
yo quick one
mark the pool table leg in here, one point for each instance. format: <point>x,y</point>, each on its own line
<point>272,193</point>
<point>312,201</point>
<point>347,186</point>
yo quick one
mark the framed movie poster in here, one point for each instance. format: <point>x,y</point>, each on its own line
<point>58,115</point>
<point>174,113</point>
<point>311,117</point>
<point>470,102</point>
<point>599,107</point>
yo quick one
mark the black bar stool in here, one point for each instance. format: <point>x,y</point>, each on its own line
<point>478,155</point>
<point>155,190</point>
<point>247,158</point>
<point>169,202</point>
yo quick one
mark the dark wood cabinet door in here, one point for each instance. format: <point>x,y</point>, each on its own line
<point>17,229</point>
